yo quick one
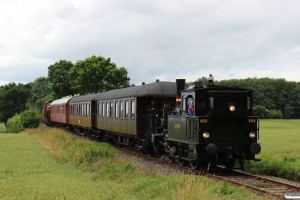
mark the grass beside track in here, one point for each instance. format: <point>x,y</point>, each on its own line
<point>2,128</point>
<point>74,168</point>
<point>280,153</point>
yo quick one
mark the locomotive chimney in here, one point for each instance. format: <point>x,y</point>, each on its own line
<point>180,85</point>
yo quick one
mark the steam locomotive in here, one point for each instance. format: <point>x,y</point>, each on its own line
<point>220,131</point>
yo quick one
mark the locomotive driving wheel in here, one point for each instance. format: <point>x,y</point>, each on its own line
<point>181,162</point>
<point>171,159</point>
<point>194,164</point>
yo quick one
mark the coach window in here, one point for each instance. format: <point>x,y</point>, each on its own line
<point>103,109</point>
<point>132,109</point>
<point>84,108</point>
<point>107,109</point>
<point>116,109</point>
<point>100,109</point>
<point>126,109</point>
<point>111,109</point>
<point>121,109</point>
<point>87,108</point>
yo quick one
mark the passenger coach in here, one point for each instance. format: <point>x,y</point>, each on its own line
<point>121,113</point>
<point>60,111</point>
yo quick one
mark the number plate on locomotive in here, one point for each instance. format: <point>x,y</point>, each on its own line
<point>252,120</point>
<point>203,121</point>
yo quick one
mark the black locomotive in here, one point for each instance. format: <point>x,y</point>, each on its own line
<point>220,128</point>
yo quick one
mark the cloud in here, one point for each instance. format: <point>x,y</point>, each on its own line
<point>152,39</point>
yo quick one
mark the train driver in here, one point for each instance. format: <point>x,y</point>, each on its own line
<point>191,108</point>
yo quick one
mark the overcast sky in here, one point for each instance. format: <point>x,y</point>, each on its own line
<point>157,39</point>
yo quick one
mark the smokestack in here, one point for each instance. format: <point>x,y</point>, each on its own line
<point>180,85</point>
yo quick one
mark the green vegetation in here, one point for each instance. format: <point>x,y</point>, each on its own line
<point>274,94</point>
<point>13,99</point>
<point>74,168</point>
<point>2,128</point>
<point>94,74</point>
<point>26,119</point>
<point>15,124</point>
<point>280,156</point>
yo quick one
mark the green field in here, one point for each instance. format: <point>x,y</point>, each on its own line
<point>48,163</point>
<point>280,138</point>
<point>2,128</point>
<point>280,149</point>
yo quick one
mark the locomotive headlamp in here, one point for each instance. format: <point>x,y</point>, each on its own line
<point>205,135</point>
<point>231,107</point>
<point>252,134</point>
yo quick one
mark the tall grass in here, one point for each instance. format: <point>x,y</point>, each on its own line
<point>2,128</point>
<point>74,168</point>
<point>280,149</point>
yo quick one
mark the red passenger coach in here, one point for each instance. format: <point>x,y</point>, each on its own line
<point>60,111</point>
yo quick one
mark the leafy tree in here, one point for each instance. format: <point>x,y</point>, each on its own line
<point>13,99</point>
<point>59,78</point>
<point>202,80</point>
<point>274,94</point>
<point>41,92</point>
<point>97,74</point>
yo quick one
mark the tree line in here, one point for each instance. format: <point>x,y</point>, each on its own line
<point>91,75</point>
<point>272,98</point>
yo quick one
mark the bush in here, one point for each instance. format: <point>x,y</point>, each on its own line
<point>27,119</point>
<point>31,118</point>
<point>14,124</point>
<point>263,113</point>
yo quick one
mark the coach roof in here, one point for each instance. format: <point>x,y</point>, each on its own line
<point>157,89</point>
<point>61,101</point>
<point>84,98</point>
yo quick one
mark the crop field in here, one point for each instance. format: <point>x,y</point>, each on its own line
<point>280,142</point>
<point>280,138</point>
<point>49,163</point>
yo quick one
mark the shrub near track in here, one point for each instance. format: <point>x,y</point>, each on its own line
<point>77,168</point>
<point>280,152</point>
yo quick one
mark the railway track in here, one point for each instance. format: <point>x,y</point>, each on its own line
<point>259,184</point>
